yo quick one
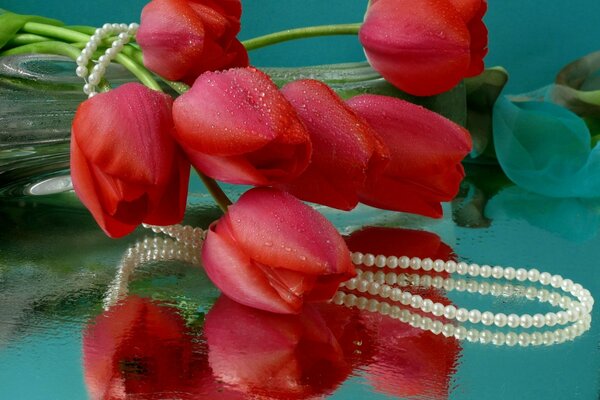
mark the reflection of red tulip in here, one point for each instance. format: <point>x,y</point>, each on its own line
<point>141,348</point>
<point>181,39</point>
<point>238,128</point>
<point>125,166</point>
<point>425,47</point>
<point>426,152</point>
<point>344,146</point>
<point>407,360</point>
<point>273,252</point>
<point>274,356</point>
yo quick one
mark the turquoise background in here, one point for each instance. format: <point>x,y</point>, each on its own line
<point>531,39</point>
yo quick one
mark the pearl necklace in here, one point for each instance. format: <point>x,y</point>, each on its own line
<point>386,297</point>
<point>124,34</point>
<point>381,285</point>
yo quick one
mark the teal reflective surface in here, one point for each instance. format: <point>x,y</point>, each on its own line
<point>167,338</point>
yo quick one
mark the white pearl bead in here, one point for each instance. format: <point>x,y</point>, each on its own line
<point>81,71</point>
<point>439,265</point>
<point>511,339</point>
<point>462,315</point>
<point>524,339</point>
<point>396,294</point>
<point>350,300</point>
<point>473,335</point>
<point>556,281</point>
<point>562,318</point>
<point>538,320</point>
<point>374,288</point>
<point>416,301</point>
<point>509,273</point>
<point>460,332</point>
<point>384,308</point>
<point>537,338</point>
<point>487,318</point>
<point>550,319</point>
<point>499,338</point>
<point>474,270</point>
<point>357,258</point>
<point>474,316</point>
<point>545,278</point>
<point>436,327</point>
<point>372,305</point>
<point>368,260</point>
<point>338,298</point>
<point>426,323</point>
<point>392,262</point>
<point>462,268</point>
<point>427,305</point>
<point>500,320</point>
<point>450,267</point>
<point>87,88</point>
<point>361,303</point>
<point>406,298</point>
<point>533,275</point>
<point>438,309</point>
<point>448,330</point>
<point>415,263</point>
<point>427,264</point>
<point>485,271</point>
<point>526,321</point>
<point>403,262</point>
<point>497,272</point>
<point>521,274</point>
<point>450,311</point>
<point>379,277</point>
<point>391,278</point>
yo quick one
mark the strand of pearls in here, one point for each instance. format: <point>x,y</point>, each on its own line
<point>381,284</point>
<point>149,249</point>
<point>124,34</point>
<point>184,233</point>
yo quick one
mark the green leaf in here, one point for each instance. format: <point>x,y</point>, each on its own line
<point>482,93</point>
<point>11,24</point>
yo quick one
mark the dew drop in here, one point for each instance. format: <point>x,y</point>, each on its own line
<point>269,244</point>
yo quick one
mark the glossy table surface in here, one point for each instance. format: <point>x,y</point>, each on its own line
<point>64,335</point>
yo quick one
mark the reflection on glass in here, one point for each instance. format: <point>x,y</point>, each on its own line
<point>575,219</point>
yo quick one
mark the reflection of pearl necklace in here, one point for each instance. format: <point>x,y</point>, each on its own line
<point>384,296</point>
<point>381,285</point>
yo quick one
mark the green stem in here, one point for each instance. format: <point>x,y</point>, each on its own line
<point>57,32</point>
<point>215,191</point>
<point>301,33</point>
<point>143,75</point>
<point>26,38</point>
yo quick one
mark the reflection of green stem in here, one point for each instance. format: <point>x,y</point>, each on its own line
<point>26,38</point>
<point>49,47</point>
<point>301,33</point>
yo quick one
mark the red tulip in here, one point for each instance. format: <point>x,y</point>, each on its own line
<point>238,128</point>
<point>425,47</point>
<point>126,167</point>
<point>344,146</point>
<point>426,150</point>
<point>140,348</point>
<point>272,252</point>
<point>274,356</point>
<point>181,39</point>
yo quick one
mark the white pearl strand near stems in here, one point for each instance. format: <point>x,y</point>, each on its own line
<point>396,303</point>
<point>123,32</point>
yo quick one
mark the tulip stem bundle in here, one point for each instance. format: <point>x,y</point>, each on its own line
<point>301,33</point>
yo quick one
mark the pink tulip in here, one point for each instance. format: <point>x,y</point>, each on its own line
<point>125,166</point>
<point>238,128</point>
<point>426,152</point>
<point>272,252</point>
<point>344,146</point>
<point>181,39</point>
<point>425,47</point>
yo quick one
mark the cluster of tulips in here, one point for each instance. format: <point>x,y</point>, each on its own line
<point>132,147</point>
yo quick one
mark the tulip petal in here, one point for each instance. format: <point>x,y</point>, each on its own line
<point>233,272</point>
<point>132,117</point>
<point>240,117</point>
<point>278,230</point>
<point>426,150</point>
<point>421,47</point>
<point>343,146</point>
<point>170,30</point>
<point>87,192</point>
